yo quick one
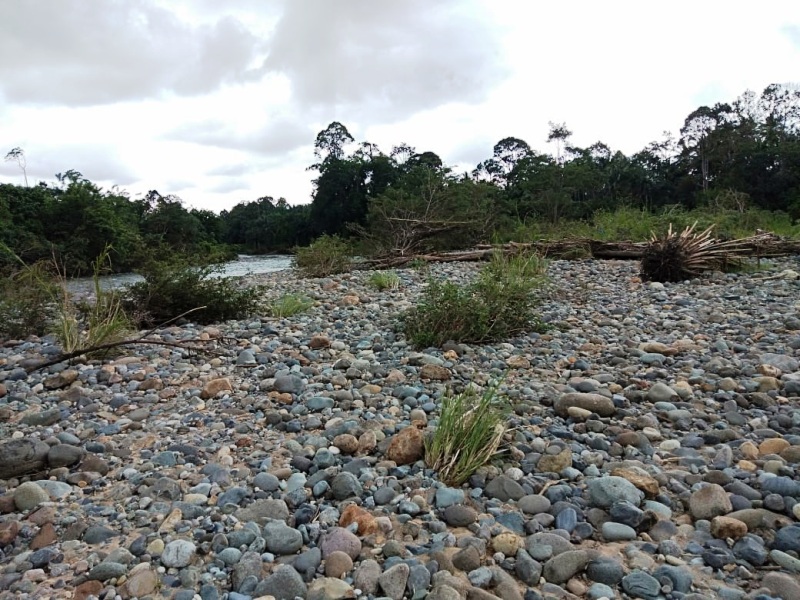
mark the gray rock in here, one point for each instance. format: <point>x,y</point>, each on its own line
<point>543,545</point>
<point>595,403</point>
<point>617,532</point>
<point>19,457</point>
<point>282,539</point>
<point>97,534</point>
<point>419,580</point>
<point>605,570</point>
<point>640,584</point>
<point>680,577</point>
<point>447,496</point>
<point>599,590</point>
<point>782,585</point>
<point>393,581</point>
<point>528,570</point>
<point>534,504</point>
<point>264,510</point>
<point>346,485</point>
<point>267,482</point>
<point>246,358</point>
<point>284,584</point>
<point>604,491</point>
<point>562,567</point>
<point>178,553</point>
<point>338,538</point>
<point>459,515</point>
<point>248,569</point>
<point>366,576</point>
<point>107,570</point>
<point>787,561</point>
<point>504,488</point>
<point>709,501</point>
<point>44,418</point>
<point>291,384</point>
<point>29,495</point>
<point>661,392</point>
<point>64,455</point>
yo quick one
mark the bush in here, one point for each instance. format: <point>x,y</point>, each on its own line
<point>173,289</point>
<point>288,305</point>
<point>327,255</point>
<point>468,435</point>
<point>384,280</point>
<point>26,301</point>
<point>498,305</point>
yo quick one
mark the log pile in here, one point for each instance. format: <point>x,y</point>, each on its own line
<point>761,245</point>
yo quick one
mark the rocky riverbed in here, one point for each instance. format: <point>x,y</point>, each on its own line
<point>654,452</point>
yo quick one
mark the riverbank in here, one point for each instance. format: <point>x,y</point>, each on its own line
<point>653,452</point>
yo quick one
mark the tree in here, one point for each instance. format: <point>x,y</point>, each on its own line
<point>331,141</point>
<point>559,134</point>
<point>17,155</point>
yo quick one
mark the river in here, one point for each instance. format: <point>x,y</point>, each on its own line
<point>245,264</point>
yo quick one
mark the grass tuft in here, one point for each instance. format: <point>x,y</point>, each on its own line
<point>468,435</point>
<point>384,280</point>
<point>288,305</point>
<point>327,255</point>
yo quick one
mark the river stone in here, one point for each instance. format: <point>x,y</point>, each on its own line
<point>504,488</point>
<point>107,570</point>
<point>393,581</point>
<point>617,532</point>
<point>29,495</point>
<point>178,553</point>
<point>595,403</point>
<point>447,496</point>
<point>329,588</point>
<point>282,539</point>
<point>709,501</point>
<point>604,491</point>
<point>263,510</point>
<point>641,585</point>
<point>460,515</point>
<point>64,455</point>
<point>287,383</point>
<point>338,538</point>
<point>366,576</point>
<point>284,584</point>
<point>564,566</point>
<point>19,457</point>
<point>534,504</point>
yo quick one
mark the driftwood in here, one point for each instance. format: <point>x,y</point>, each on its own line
<point>762,245</point>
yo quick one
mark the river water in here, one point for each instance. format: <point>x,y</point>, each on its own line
<point>244,265</point>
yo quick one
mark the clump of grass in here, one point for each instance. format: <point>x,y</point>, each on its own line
<point>327,255</point>
<point>468,435</point>
<point>384,280</point>
<point>499,304</point>
<point>26,301</point>
<point>288,305</point>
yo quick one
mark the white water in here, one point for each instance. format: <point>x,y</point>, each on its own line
<point>244,265</point>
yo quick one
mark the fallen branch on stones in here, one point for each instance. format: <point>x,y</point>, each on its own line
<point>142,339</point>
<point>761,245</point>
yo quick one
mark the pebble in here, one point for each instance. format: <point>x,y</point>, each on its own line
<point>654,437</point>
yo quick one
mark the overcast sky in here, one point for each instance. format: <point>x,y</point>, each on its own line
<point>220,102</point>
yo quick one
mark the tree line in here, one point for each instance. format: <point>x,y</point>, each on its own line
<point>736,155</point>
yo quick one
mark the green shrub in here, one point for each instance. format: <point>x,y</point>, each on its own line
<point>288,305</point>
<point>468,435</point>
<point>26,301</point>
<point>327,255</point>
<point>173,289</point>
<point>499,304</point>
<point>384,280</point>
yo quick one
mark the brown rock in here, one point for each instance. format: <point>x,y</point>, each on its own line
<point>350,300</point>
<point>45,514</point>
<point>596,403</point>
<point>8,532</point>
<point>555,463</point>
<point>407,446</point>
<point>367,524</point>
<point>154,383</point>
<point>318,342</point>
<point>142,581</point>
<point>726,527</point>
<point>749,450</point>
<point>338,564</point>
<point>215,386</point>
<point>709,501</point>
<point>346,442</point>
<point>3,390</point>
<point>367,442</point>
<point>518,362</point>
<point>7,504</point>
<point>394,376</point>
<point>86,589</point>
<point>60,380</point>
<point>435,372</point>
<point>658,348</point>
<point>628,438</point>
<point>507,543</point>
<point>45,537</point>
<point>641,480</point>
<point>773,446</point>
<point>791,454</point>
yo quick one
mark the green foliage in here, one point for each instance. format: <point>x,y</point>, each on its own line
<point>327,255</point>
<point>468,435</point>
<point>384,280</point>
<point>499,304</point>
<point>170,290</point>
<point>26,301</point>
<point>288,305</point>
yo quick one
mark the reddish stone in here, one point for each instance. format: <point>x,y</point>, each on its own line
<point>45,537</point>
<point>355,514</point>
<point>407,446</point>
<point>86,589</point>
<point>8,532</point>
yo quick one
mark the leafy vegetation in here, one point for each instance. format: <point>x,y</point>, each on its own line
<point>26,301</point>
<point>499,304</point>
<point>170,290</point>
<point>328,255</point>
<point>288,305</point>
<point>468,435</point>
<point>384,280</point>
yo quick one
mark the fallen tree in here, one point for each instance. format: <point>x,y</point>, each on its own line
<point>761,245</point>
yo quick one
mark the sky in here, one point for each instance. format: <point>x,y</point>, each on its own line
<point>220,102</point>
